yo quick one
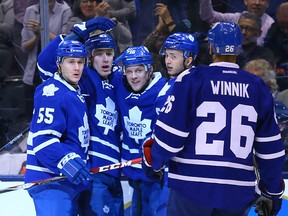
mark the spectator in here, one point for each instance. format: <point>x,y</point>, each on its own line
<point>164,28</point>
<point>197,131</point>
<point>258,7</point>
<point>58,17</point>
<point>84,10</point>
<point>19,11</point>
<point>122,10</point>
<point>250,25</point>
<point>142,28</point>
<point>264,70</point>
<point>136,94</point>
<point>277,41</point>
<point>277,37</point>
<point>6,25</point>
<point>59,135</point>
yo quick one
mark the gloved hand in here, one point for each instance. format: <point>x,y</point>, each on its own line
<point>268,204</point>
<point>152,174</point>
<point>74,168</point>
<point>84,29</point>
<point>265,206</point>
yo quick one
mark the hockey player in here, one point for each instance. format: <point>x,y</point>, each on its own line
<point>106,196</point>
<point>59,136</point>
<point>180,51</point>
<point>136,97</point>
<point>212,122</point>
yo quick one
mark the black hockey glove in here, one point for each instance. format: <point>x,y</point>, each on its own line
<point>84,29</point>
<point>268,204</point>
<point>74,168</point>
<point>152,174</point>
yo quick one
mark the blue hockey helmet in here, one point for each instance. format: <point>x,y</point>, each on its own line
<point>137,55</point>
<point>70,48</point>
<point>225,38</point>
<point>102,41</point>
<point>181,41</point>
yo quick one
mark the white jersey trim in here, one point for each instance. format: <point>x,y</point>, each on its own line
<point>45,144</point>
<point>167,147</point>
<point>132,151</point>
<point>103,142</point>
<point>268,139</point>
<point>105,157</point>
<point>40,169</point>
<point>270,156</point>
<point>172,130</point>
<point>212,180</point>
<point>213,163</point>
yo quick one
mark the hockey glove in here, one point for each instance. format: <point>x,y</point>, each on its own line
<point>74,168</point>
<point>152,174</point>
<point>84,29</point>
<point>268,204</point>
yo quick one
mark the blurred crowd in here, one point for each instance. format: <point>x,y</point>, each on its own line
<point>264,25</point>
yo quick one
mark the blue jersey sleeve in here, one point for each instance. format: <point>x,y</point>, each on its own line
<point>46,62</point>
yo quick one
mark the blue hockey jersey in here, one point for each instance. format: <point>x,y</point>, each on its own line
<point>138,118</point>
<point>212,122</point>
<point>103,113</point>
<point>59,126</point>
<point>162,96</point>
<point>104,121</point>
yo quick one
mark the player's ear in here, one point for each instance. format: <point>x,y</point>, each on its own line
<point>188,62</point>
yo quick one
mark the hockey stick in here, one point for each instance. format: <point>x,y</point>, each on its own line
<point>14,140</point>
<point>60,178</point>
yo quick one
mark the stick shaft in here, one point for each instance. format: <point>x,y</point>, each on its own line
<point>14,140</point>
<point>60,178</point>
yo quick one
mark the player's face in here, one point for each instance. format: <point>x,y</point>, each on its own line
<point>257,6</point>
<point>102,61</point>
<point>249,32</point>
<point>174,61</point>
<point>72,69</point>
<point>137,77</point>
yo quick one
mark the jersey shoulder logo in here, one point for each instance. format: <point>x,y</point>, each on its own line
<point>49,90</point>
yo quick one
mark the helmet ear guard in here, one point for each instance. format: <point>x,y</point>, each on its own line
<point>225,38</point>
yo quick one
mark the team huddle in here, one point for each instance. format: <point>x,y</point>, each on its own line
<point>200,130</point>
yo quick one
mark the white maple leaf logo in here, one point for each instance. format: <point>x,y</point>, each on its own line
<point>49,90</point>
<point>84,133</point>
<point>137,128</point>
<point>107,116</point>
